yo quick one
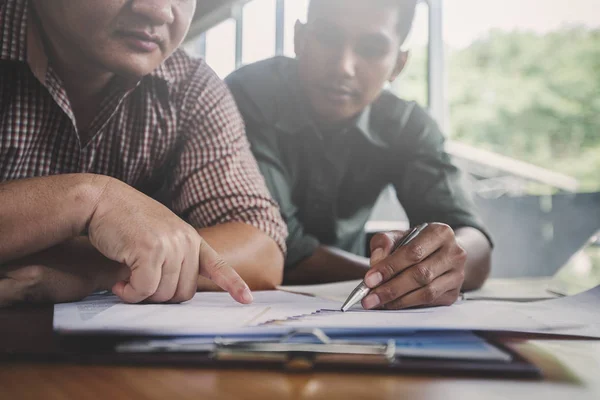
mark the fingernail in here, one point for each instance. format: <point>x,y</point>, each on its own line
<point>377,256</point>
<point>247,296</point>
<point>371,301</point>
<point>374,279</point>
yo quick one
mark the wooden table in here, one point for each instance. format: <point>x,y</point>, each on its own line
<point>28,331</point>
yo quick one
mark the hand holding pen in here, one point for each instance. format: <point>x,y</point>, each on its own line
<point>424,267</point>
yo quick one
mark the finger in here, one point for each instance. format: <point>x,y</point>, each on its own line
<point>407,281</point>
<point>188,278</point>
<point>12,291</point>
<point>442,291</point>
<point>168,281</point>
<point>426,243</point>
<point>382,244</point>
<point>213,267</point>
<point>143,282</point>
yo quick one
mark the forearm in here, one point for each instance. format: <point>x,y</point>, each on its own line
<point>67,272</point>
<point>39,213</point>
<point>252,253</point>
<point>328,264</point>
<point>479,257</point>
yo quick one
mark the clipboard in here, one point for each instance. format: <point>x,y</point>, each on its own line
<point>298,351</point>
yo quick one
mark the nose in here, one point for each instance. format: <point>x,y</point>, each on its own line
<point>346,63</point>
<point>159,12</point>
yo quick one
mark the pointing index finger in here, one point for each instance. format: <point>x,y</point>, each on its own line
<point>213,267</point>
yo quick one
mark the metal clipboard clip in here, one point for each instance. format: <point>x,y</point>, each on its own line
<point>302,349</point>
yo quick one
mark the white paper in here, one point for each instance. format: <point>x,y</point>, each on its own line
<point>514,289</point>
<point>338,291</point>
<point>519,289</point>
<point>205,313</point>
<point>217,313</point>
<point>576,315</point>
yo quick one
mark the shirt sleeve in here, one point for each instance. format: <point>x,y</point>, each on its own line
<point>216,179</point>
<point>428,185</point>
<point>263,140</point>
<point>299,244</point>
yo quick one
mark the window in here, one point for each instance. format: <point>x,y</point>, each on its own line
<point>220,48</point>
<point>523,103</point>
<point>523,82</point>
<point>522,110</point>
<point>412,82</point>
<point>258,31</point>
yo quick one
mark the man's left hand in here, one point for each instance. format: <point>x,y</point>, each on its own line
<point>428,271</point>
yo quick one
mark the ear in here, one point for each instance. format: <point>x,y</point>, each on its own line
<point>299,38</point>
<point>400,64</point>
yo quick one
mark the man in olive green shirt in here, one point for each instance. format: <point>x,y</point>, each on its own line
<point>329,139</point>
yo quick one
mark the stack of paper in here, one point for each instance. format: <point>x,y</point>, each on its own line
<point>217,313</point>
<point>577,315</point>
<point>205,313</point>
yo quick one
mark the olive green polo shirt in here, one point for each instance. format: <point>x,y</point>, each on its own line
<point>327,183</point>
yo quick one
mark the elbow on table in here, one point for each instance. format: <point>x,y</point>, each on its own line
<point>270,274</point>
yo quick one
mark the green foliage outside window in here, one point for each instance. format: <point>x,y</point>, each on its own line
<point>532,97</point>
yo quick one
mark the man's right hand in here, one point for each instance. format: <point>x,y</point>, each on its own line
<point>164,253</point>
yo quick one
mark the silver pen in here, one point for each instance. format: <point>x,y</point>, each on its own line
<point>363,290</point>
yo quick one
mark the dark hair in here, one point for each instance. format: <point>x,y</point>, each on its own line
<point>406,13</point>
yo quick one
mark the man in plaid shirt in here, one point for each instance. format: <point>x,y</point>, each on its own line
<point>98,112</point>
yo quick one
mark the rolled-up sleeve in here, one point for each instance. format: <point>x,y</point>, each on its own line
<point>216,179</point>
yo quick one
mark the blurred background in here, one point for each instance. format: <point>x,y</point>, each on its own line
<point>515,85</point>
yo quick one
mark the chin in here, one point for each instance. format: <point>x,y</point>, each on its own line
<point>336,116</point>
<point>134,67</point>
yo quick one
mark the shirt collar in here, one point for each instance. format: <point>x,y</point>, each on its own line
<point>163,73</point>
<point>20,40</point>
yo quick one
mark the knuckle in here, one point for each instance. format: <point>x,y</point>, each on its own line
<point>153,244</point>
<point>386,294</point>
<point>442,230</point>
<point>423,275</point>
<point>183,296</point>
<point>32,274</point>
<point>159,298</point>
<point>430,294</point>
<point>460,254</point>
<point>185,235</point>
<point>218,268</point>
<point>450,298</point>
<point>170,269</point>
<point>192,237</point>
<point>415,252</point>
<point>146,292</point>
<point>377,239</point>
<point>383,239</point>
<point>388,271</point>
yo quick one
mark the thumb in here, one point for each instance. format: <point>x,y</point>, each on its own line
<point>382,244</point>
<point>213,267</point>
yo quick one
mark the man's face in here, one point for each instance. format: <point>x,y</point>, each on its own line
<point>346,52</point>
<point>126,37</point>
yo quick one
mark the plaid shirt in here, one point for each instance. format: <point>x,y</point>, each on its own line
<point>178,129</point>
